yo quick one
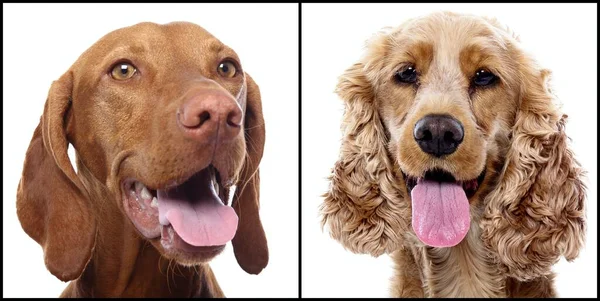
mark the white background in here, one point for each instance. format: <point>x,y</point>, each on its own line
<point>562,38</point>
<point>40,44</point>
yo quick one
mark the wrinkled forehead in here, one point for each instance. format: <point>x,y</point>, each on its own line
<point>172,40</point>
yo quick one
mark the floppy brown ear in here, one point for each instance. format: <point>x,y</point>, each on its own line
<point>51,204</point>
<point>536,212</point>
<point>364,207</point>
<point>250,243</point>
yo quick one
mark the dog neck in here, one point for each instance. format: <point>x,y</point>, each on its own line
<point>466,270</point>
<point>463,270</point>
<point>124,264</point>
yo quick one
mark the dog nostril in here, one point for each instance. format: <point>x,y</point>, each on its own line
<point>422,131</point>
<point>427,135</point>
<point>455,133</point>
<point>438,134</point>
<point>203,117</point>
<point>423,134</point>
<point>233,119</point>
<point>449,136</point>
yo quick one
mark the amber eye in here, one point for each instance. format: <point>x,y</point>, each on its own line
<point>227,69</point>
<point>123,71</point>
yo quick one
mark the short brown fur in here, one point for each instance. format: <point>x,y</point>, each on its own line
<point>126,129</point>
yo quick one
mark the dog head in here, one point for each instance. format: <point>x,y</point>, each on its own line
<point>448,125</point>
<point>164,122</point>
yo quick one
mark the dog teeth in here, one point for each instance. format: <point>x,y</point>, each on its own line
<point>154,203</point>
<point>138,186</point>
<point>213,179</point>
<point>145,194</point>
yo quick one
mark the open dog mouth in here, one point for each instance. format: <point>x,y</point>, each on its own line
<point>470,187</point>
<point>188,216</point>
<point>440,207</point>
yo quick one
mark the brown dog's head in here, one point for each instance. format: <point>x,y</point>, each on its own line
<point>164,121</point>
<point>449,124</point>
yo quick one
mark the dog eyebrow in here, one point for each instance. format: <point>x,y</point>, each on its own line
<point>126,51</point>
<point>403,49</point>
<point>416,48</point>
<point>222,50</point>
<point>215,46</point>
<point>480,52</point>
<point>137,48</point>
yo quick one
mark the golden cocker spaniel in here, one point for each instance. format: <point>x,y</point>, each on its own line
<point>455,161</point>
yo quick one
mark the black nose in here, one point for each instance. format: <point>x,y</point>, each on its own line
<point>438,135</point>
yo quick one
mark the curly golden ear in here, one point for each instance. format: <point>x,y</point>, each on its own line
<point>250,243</point>
<point>536,212</point>
<point>51,203</point>
<point>364,207</point>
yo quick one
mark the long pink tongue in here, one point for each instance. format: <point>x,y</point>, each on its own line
<point>196,213</point>
<point>440,213</point>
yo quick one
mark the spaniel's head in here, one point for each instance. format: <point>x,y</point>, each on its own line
<point>449,124</point>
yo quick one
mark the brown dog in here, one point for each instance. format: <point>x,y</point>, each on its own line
<point>164,122</point>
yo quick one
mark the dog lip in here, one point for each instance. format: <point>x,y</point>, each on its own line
<point>139,207</point>
<point>170,241</point>
<point>143,209</point>
<point>172,183</point>
<point>470,186</point>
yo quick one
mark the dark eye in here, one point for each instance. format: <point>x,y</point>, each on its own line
<point>407,75</point>
<point>123,71</point>
<point>484,78</point>
<point>227,69</point>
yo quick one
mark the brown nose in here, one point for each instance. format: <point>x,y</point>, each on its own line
<point>209,114</point>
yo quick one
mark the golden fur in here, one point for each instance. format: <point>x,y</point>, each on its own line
<point>529,209</point>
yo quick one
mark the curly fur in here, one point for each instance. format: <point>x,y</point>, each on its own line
<point>529,209</point>
<point>364,206</point>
